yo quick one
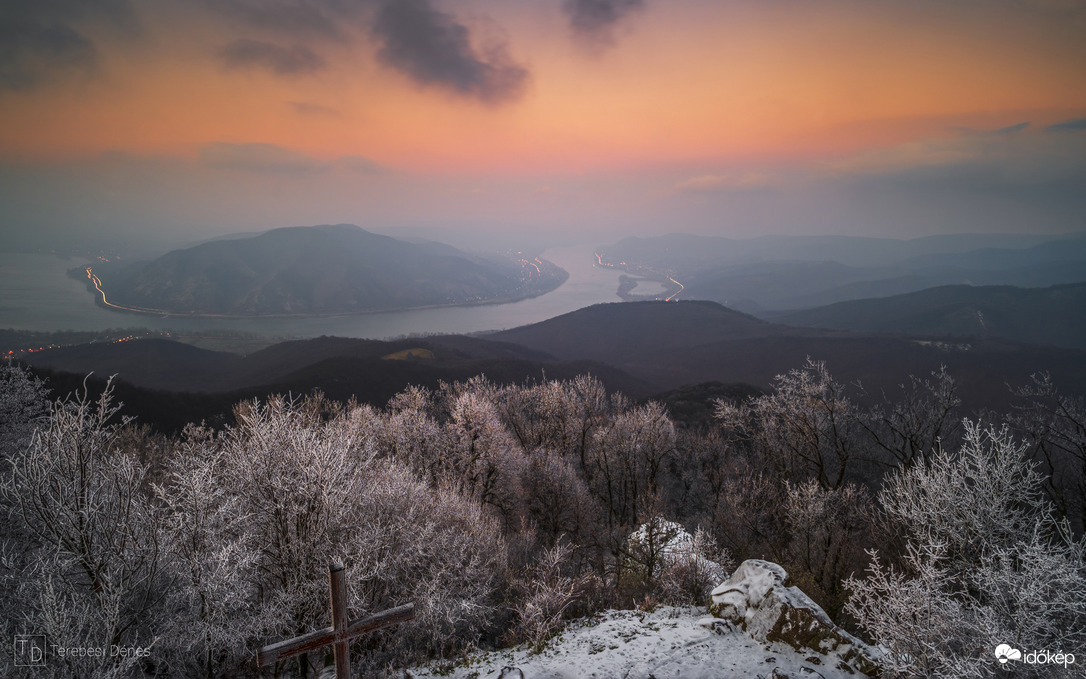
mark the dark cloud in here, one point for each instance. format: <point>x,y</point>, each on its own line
<point>294,60</point>
<point>262,158</point>
<point>323,18</point>
<point>39,38</point>
<point>434,49</point>
<point>1069,125</point>
<point>594,21</point>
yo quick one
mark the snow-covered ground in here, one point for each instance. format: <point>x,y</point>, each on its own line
<point>669,642</point>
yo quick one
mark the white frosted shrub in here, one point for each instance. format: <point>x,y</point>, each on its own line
<point>986,565</point>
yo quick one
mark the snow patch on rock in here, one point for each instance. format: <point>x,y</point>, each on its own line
<point>756,600</point>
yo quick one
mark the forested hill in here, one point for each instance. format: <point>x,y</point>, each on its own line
<point>321,270</point>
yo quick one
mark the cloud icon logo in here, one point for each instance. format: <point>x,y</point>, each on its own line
<point>1004,653</point>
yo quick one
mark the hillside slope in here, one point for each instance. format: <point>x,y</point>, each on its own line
<point>1053,316</point>
<point>320,270</point>
<point>615,332</point>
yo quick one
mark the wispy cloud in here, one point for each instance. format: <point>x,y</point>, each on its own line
<point>360,164</point>
<point>731,181</point>
<point>1069,125</point>
<point>306,108</point>
<point>272,159</point>
<point>256,157</point>
<point>965,147</point>
<point>433,48</point>
<point>1011,129</point>
<point>1030,169</point>
<point>293,60</point>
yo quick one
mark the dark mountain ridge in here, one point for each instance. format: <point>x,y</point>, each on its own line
<point>614,332</point>
<point>168,384</point>
<point>1053,316</point>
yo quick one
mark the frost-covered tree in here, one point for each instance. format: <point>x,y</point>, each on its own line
<point>409,432</point>
<point>24,403</point>
<point>985,564</point>
<point>626,460</point>
<point>806,428</point>
<point>480,454</point>
<point>212,610</point>
<point>562,416</point>
<point>827,531</point>
<point>312,488</point>
<point>914,426</point>
<point>93,575</point>
<point>558,503</point>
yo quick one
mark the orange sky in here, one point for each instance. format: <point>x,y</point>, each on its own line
<point>683,81</point>
<point>686,86</point>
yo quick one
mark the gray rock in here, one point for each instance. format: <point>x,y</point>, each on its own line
<point>756,599</point>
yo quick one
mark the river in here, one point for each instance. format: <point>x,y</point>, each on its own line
<point>37,294</point>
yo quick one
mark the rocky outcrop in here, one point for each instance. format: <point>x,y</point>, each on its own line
<point>756,600</point>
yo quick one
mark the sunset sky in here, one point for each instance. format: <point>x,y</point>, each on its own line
<point>182,119</point>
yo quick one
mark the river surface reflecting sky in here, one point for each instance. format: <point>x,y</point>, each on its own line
<point>37,294</point>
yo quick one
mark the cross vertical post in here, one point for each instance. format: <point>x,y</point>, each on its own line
<point>341,647</point>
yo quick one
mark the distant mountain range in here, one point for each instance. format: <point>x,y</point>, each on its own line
<point>782,273</point>
<point>1053,316</point>
<point>320,270</point>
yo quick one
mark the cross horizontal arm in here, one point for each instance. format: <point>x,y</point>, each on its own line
<point>378,620</point>
<point>307,642</point>
<point>282,650</point>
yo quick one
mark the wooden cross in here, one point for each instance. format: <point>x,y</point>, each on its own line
<point>340,633</point>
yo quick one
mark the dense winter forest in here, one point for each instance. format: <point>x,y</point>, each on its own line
<point>504,511</point>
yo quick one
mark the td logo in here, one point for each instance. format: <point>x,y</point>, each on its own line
<point>1004,653</point>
